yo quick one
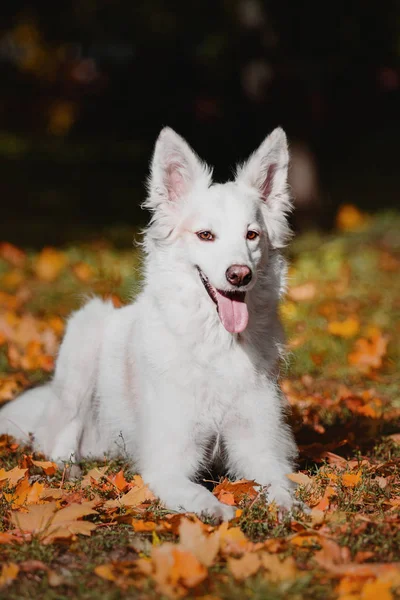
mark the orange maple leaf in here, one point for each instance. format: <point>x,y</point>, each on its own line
<point>369,352</point>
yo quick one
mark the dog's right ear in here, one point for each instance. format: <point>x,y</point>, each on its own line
<point>175,170</point>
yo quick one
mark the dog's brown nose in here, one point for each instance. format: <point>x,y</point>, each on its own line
<point>238,275</point>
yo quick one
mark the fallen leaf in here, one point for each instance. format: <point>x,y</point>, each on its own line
<point>232,492</point>
<point>139,525</point>
<point>245,566</point>
<point>83,271</point>
<point>95,474</point>
<point>351,479</point>
<point>49,264</point>
<point>303,292</point>
<point>373,590</point>
<point>13,255</point>
<point>137,495</point>
<point>203,546</point>
<point>368,352</point>
<point>25,493</point>
<point>279,569</point>
<point>48,523</point>
<point>48,467</point>
<point>13,476</point>
<point>9,572</point>
<point>10,386</point>
<point>54,579</point>
<point>350,218</point>
<point>346,329</point>
<point>119,481</point>
<point>300,478</point>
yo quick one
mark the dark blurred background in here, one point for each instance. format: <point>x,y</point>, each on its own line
<point>86,86</point>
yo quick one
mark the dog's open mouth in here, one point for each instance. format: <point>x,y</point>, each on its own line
<point>231,306</point>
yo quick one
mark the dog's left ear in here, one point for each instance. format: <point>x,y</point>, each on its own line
<point>266,171</point>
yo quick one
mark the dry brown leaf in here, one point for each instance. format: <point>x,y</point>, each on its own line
<point>119,481</point>
<point>137,495</point>
<point>303,292</point>
<point>49,264</point>
<point>232,492</point>
<point>350,218</point>
<point>331,554</point>
<point>9,572</point>
<point>54,579</point>
<point>277,569</point>
<point>368,353</point>
<point>13,476</point>
<point>234,541</point>
<point>10,386</point>
<point>345,329</point>
<point>173,565</point>
<point>106,572</point>
<point>245,566</point>
<point>48,467</point>
<point>25,493</point>
<point>140,525</point>
<point>13,255</point>
<point>203,546</point>
<point>50,524</point>
<point>95,474</point>
<point>300,478</point>
<point>351,479</point>
<point>83,271</point>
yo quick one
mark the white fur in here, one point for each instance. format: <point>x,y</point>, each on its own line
<point>161,378</point>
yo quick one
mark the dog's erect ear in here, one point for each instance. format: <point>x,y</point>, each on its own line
<point>175,169</point>
<point>266,171</point>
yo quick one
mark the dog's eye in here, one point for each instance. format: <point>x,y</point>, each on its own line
<point>252,235</point>
<point>207,236</point>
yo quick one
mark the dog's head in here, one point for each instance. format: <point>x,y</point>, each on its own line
<point>223,232</point>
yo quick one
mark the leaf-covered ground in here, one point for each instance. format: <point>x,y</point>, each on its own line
<point>104,535</point>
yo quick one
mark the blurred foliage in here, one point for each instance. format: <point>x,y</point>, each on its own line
<point>92,82</point>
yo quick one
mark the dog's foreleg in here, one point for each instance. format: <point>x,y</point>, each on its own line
<point>260,445</point>
<point>169,457</point>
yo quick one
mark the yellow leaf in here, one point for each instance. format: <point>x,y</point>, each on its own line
<point>351,479</point>
<point>245,566</point>
<point>105,572</point>
<point>369,352</point>
<point>173,565</point>
<point>83,271</point>
<point>346,329</point>
<point>13,476</point>
<point>350,218</point>
<point>140,525</point>
<point>25,493</point>
<point>317,516</point>
<point>135,496</point>
<point>48,467</point>
<point>9,572</point>
<point>279,570</point>
<point>300,478</point>
<point>49,264</point>
<point>374,590</point>
<point>303,292</point>
<point>94,474</point>
<point>193,538</point>
<point>305,540</point>
<point>45,521</point>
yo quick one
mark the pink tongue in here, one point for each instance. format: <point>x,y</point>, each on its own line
<point>233,313</point>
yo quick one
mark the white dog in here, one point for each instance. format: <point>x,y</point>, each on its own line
<point>186,373</point>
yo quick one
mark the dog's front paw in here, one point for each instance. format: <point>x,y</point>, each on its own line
<point>217,510</point>
<point>281,494</point>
